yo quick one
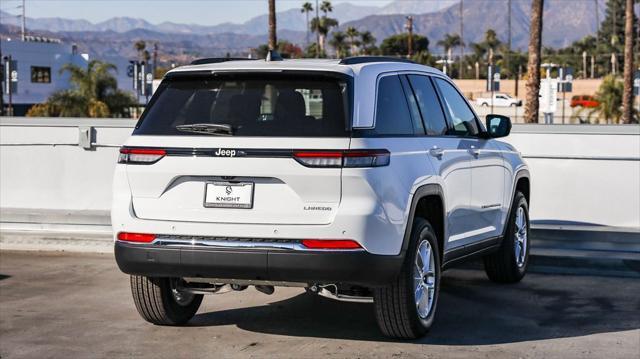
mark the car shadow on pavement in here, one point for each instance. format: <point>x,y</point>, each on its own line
<point>471,311</point>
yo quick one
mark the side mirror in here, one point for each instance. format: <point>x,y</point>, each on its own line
<point>498,126</point>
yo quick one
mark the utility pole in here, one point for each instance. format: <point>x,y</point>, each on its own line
<point>155,59</point>
<point>409,27</point>
<point>317,31</point>
<point>584,64</point>
<point>24,21</point>
<point>597,22</point>
<point>461,38</point>
<point>508,57</point>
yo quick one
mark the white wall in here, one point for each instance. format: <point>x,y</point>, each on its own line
<point>584,174</point>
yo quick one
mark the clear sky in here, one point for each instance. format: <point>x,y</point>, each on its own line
<point>207,12</point>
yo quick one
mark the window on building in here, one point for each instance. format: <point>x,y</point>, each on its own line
<point>40,74</point>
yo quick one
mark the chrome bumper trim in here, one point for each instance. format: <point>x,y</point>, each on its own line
<point>257,244</point>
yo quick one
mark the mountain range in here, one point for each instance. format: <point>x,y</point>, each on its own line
<point>564,22</point>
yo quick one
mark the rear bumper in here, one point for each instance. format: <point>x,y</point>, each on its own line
<point>348,267</point>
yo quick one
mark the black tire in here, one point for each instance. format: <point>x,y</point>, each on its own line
<point>157,304</point>
<point>395,306</point>
<point>484,104</point>
<point>501,266</point>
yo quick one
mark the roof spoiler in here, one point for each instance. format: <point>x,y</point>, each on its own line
<point>368,59</point>
<point>216,60</point>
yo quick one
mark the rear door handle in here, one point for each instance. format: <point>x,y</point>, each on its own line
<point>436,152</point>
<point>474,151</point>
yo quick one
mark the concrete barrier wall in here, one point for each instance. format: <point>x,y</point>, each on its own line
<point>586,175</point>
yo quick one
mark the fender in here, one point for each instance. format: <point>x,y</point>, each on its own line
<point>523,172</point>
<point>422,192</point>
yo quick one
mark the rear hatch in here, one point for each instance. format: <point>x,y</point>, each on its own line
<point>239,148</point>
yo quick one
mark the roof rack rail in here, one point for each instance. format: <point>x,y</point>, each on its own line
<point>367,59</point>
<point>216,60</point>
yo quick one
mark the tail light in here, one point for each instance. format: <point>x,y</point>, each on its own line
<point>331,244</point>
<point>140,156</point>
<point>345,158</point>
<point>136,237</point>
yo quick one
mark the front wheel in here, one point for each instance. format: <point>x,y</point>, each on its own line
<point>509,263</point>
<point>160,300</point>
<point>406,308</point>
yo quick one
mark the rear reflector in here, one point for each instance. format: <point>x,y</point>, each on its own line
<point>140,156</point>
<point>346,158</point>
<point>330,244</point>
<point>136,237</point>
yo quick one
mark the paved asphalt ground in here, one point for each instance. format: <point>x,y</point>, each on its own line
<point>63,305</point>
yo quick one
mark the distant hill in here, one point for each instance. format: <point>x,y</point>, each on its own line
<point>564,22</point>
<point>291,19</point>
<point>416,7</point>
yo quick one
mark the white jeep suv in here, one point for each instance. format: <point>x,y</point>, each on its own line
<point>358,179</point>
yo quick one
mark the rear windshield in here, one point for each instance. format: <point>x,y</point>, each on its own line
<point>280,105</point>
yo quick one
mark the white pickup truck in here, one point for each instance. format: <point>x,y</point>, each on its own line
<point>499,100</point>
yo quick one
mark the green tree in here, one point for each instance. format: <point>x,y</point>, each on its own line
<point>95,93</point>
<point>323,26</point>
<point>609,96</point>
<point>368,42</point>
<point>306,9</point>
<point>285,48</point>
<point>339,44</point>
<point>396,45</point>
<point>326,7</point>
<point>352,33</point>
<point>449,42</point>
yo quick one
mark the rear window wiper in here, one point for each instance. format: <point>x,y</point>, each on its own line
<point>219,129</point>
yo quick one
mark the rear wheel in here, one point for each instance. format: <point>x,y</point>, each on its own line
<point>406,308</point>
<point>159,300</point>
<point>509,263</point>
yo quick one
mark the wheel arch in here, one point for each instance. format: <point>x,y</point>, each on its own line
<point>428,203</point>
<point>522,183</point>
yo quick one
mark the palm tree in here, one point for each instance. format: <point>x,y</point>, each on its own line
<point>306,9</point>
<point>352,33</point>
<point>140,47</point>
<point>609,97</point>
<point>532,105</point>
<point>338,43</point>
<point>627,94</point>
<point>449,42</point>
<point>326,7</point>
<point>273,40</point>
<point>95,93</point>
<point>367,40</point>
<point>323,26</point>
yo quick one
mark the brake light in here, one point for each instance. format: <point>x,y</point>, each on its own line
<point>141,156</point>
<point>136,237</point>
<point>345,158</point>
<point>331,244</point>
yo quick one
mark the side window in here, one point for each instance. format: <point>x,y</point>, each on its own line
<point>418,126</point>
<point>392,112</point>
<point>463,119</point>
<point>429,105</point>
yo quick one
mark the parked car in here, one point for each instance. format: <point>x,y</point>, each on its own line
<point>499,100</point>
<point>584,101</point>
<point>230,180</point>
